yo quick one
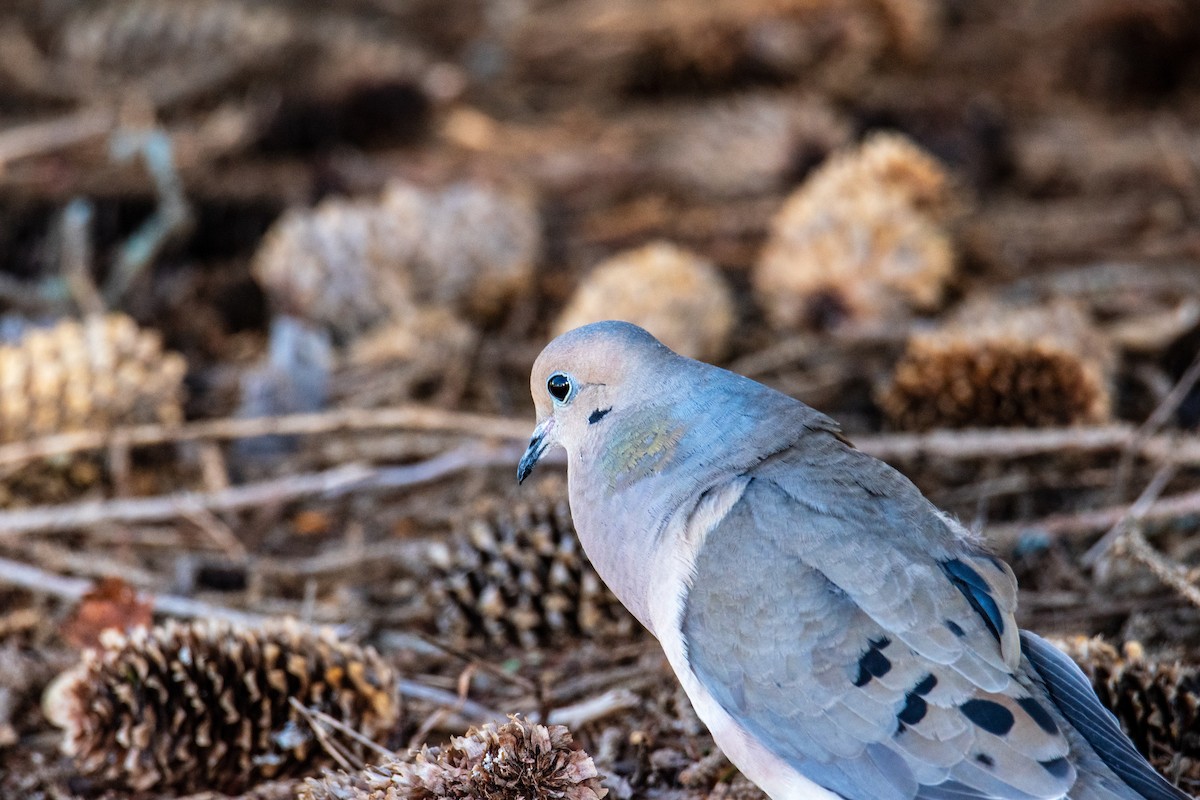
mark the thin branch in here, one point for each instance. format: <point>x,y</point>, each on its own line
<point>27,576</point>
<point>1088,523</point>
<point>317,716</point>
<point>1009,444</point>
<point>337,420</point>
<point>334,482</point>
<point>328,744</point>
<point>73,516</point>
<point>1133,516</point>
<point>476,712</point>
<point>577,715</point>
<point>44,136</point>
<point>1169,572</point>
<point>1159,417</point>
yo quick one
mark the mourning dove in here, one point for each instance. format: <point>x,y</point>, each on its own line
<point>838,634</point>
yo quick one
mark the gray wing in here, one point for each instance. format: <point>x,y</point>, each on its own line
<point>849,627</point>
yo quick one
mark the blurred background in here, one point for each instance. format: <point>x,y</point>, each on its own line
<point>273,274</point>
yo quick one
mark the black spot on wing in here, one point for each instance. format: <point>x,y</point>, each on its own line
<point>1058,767</point>
<point>1038,714</point>
<point>926,685</point>
<point>955,628</point>
<point>992,717</point>
<point>598,414</point>
<point>985,759</point>
<point>914,709</point>
<point>975,589</point>
<point>873,663</point>
<point>915,706</point>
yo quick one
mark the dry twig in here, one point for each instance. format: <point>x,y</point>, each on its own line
<point>1132,517</point>
<point>329,483</point>
<point>26,576</point>
<point>337,420</point>
<point>1170,572</point>
<point>1087,523</point>
<point>1159,417</point>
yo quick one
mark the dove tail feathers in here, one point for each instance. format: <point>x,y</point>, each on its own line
<point>1075,699</point>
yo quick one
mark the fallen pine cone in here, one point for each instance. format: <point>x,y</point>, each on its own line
<point>1156,702</point>
<point>867,236</point>
<point>354,264</point>
<point>514,573</point>
<point>519,760</point>
<point>1003,367</point>
<point>206,705</point>
<point>675,294</point>
<point>88,374</point>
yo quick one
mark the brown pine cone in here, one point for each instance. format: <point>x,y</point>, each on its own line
<point>514,573</point>
<point>866,236</point>
<point>88,374</point>
<point>1000,367</point>
<point>519,760</point>
<point>206,705</point>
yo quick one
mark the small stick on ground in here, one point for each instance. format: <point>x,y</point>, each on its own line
<point>330,483</point>
<point>458,705</point>
<point>328,744</point>
<point>26,576</point>
<point>1159,417</point>
<point>1168,571</point>
<point>46,136</point>
<point>318,716</point>
<point>337,420</point>
<point>1134,516</point>
<point>1087,523</point>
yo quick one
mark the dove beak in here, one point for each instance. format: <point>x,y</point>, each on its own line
<point>537,448</point>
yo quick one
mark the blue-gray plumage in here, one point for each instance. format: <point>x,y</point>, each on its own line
<point>838,634</point>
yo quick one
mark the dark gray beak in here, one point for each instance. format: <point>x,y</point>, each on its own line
<point>537,447</point>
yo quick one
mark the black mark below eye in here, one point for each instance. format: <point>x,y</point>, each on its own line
<point>598,414</point>
<point>559,386</point>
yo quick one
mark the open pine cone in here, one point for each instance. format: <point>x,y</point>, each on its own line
<point>675,294</point>
<point>866,236</point>
<point>88,374</point>
<point>514,573</point>
<point>994,367</point>
<point>519,760</point>
<point>207,705</point>
<point>1156,702</point>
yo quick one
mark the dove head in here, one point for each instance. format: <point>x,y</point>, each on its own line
<point>587,374</point>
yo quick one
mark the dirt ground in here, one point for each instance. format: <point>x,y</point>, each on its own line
<point>313,438</point>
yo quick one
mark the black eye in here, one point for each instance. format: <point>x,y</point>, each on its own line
<point>559,386</point>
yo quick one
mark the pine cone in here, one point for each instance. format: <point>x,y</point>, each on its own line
<point>477,249</point>
<point>676,46</point>
<point>341,264</point>
<point>517,761</point>
<point>131,37</point>
<point>514,573</point>
<point>1003,367</point>
<point>352,264</point>
<point>206,705</point>
<point>866,236</point>
<point>87,375</point>
<point>750,144</point>
<point>676,295</point>
<point>1156,702</point>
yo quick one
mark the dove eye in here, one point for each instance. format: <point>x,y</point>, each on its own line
<point>559,387</point>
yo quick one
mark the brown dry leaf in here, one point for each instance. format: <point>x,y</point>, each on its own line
<point>311,522</point>
<point>111,604</point>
